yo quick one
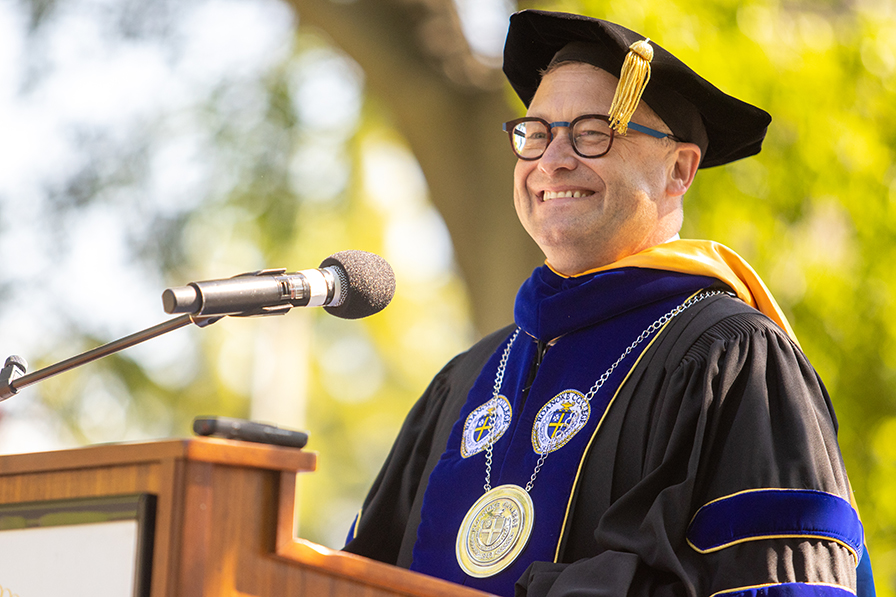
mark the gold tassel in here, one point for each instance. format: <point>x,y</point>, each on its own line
<point>632,81</point>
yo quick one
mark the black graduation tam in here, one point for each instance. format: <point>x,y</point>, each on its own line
<point>725,128</point>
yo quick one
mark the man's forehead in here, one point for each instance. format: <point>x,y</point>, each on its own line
<point>576,82</point>
<point>604,80</point>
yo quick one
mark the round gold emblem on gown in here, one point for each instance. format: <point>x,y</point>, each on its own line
<point>494,531</point>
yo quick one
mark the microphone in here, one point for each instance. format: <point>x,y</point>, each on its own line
<point>348,284</point>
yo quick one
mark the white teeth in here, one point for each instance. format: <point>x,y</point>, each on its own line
<point>548,195</point>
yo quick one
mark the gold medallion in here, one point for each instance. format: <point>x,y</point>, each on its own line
<point>494,531</point>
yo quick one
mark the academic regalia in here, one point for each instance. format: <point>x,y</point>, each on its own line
<point>707,462</point>
<point>720,435</point>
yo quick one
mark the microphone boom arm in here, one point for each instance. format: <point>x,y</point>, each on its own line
<point>13,377</point>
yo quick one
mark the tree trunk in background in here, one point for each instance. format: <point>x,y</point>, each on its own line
<point>449,106</point>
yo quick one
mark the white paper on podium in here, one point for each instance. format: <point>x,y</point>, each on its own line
<point>97,559</point>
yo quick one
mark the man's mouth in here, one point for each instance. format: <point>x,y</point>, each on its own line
<point>548,195</point>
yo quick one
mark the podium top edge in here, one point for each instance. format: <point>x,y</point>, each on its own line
<point>197,449</point>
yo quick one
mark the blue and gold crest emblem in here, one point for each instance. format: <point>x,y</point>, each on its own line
<point>485,425</point>
<point>559,420</point>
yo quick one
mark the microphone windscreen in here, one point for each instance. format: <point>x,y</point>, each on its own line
<point>371,283</point>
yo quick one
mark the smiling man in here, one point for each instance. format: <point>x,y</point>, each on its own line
<point>586,213</point>
<point>648,425</point>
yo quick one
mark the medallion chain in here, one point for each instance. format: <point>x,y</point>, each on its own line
<point>502,366</point>
<point>499,380</point>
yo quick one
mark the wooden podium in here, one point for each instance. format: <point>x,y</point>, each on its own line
<point>223,518</point>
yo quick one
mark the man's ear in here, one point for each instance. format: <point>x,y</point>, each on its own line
<point>683,168</point>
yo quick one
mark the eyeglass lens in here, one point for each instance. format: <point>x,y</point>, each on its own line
<point>590,136</point>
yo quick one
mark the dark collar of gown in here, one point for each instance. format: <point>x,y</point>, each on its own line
<point>549,306</point>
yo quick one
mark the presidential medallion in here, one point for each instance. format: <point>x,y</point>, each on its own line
<point>494,531</point>
<point>559,420</point>
<point>485,426</point>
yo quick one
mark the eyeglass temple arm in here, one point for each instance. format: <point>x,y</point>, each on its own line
<point>647,131</point>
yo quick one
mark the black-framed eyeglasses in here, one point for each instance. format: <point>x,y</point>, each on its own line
<point>590,135</point>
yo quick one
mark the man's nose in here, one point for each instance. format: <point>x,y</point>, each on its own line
<point>559,154</point>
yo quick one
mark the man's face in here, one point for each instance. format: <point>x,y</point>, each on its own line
<point>588,212</point>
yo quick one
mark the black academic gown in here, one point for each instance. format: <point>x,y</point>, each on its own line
<point>721,406</point>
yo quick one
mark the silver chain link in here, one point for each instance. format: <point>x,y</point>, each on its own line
<point>499,380</point>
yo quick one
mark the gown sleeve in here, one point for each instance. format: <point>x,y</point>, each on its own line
<point>721,475</point>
